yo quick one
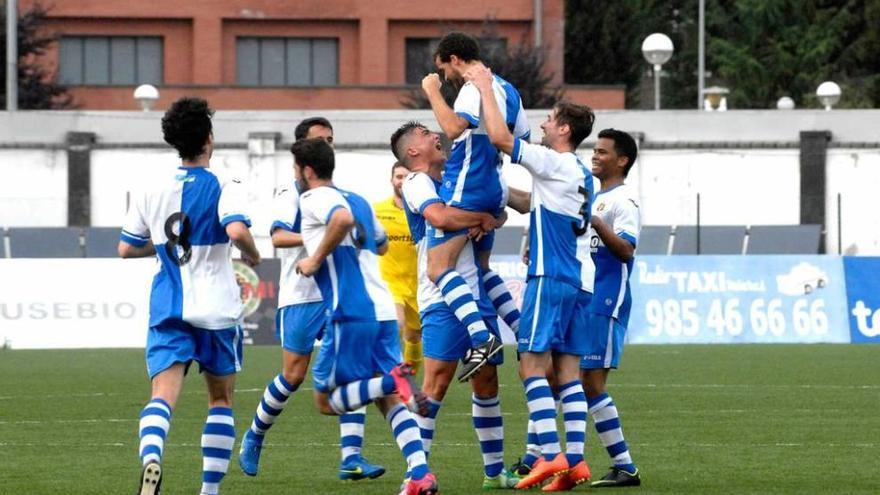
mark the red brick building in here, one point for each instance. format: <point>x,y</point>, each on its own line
<point>270,54</point>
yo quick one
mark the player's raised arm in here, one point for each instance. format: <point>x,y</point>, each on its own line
<point>501,138</point>
<point>452,124</point>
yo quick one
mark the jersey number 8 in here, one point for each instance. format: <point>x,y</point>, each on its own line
<point>179,256</point>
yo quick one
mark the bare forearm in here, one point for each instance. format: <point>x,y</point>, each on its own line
<point>519,200</point>
<point>126,250</point>
<point>337,229</point>
<point>450,122</point>
<point>285,239</point>
<point>495,125</point>
<point>620,247</point>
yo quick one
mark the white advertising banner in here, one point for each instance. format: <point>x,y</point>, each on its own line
<point>74,303</point>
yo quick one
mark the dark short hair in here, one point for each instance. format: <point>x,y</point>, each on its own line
<point>397,165</point>
<point>459,44</point>
<point>314,153</point>
<point>579,118</point>
<point>397,143</point>
<point>187,126</point>
<point>302,129</point>
<point>624,145</point>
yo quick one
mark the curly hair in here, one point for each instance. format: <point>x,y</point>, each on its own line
<point>187,126</point>
<point>461,45</point>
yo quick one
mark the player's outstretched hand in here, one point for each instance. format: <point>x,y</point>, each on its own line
<point>307,266</point>
<point>488,223</point>
<point>480,75</point>
<point>431,83</point>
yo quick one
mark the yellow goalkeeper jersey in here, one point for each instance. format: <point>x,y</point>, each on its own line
<point>399,265</point>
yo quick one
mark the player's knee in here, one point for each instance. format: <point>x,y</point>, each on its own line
<point>436,387</point>
<point>294,377</point>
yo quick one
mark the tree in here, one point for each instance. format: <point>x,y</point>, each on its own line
<point>523,66</point>
<point>36,90</point>
<point>759,49</point>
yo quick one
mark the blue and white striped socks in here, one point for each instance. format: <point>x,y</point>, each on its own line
<point>357,394</point>
<point>607,422</point>
<point>542,410</point>
<point>274,399</point>
<point>460,299</point>
<point>351,433</point>
<point>426,424</point>
<point>154,424</point>
<point>217,441</point>
<point>501,299</point>
<point>406,433</point>
<point>533,450</point>
<point>574,415</point>
<point>486,413</point>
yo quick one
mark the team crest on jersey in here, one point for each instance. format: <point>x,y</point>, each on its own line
<point>600,207</point>
<point>249,282</point>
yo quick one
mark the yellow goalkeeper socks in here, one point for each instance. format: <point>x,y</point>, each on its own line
<point>412,353</point>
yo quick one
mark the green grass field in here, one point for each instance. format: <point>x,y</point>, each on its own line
<point>699,419</point>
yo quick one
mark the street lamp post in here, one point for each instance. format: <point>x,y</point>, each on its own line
<point>657,50</point>
<point>829,94</point>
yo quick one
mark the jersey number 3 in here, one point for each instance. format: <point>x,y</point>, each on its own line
<point>180,256</point>
<point>580,230</point>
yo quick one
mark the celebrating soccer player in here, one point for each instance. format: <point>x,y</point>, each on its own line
<point>446,340</point>
<point>559,283</point>
<point>398,268</point>
<point>187,219</point>
<point>300,319</point>
<point>471,181</point>
<point>615,235</point>
<point>360,352</point>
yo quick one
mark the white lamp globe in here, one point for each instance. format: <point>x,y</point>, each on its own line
<point>828,93</point>
<point>657,49</point>
<point>146,95</point>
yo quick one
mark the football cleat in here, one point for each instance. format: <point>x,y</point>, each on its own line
<point>249,453</point>
<point>477,357</point>
<point>580,473</point>
<point>424,486</point>
<point>542,471</point>
<point>359,469</point>
<point>410,393</point>
<point>618,477</point>
<point>503,481</point>
<point>151,479</point>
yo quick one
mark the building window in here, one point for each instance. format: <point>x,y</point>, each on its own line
<point>287,61</point>
<point>420,55</point>
<point>110,60</point>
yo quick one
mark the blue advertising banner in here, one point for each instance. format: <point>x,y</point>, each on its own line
<point>863,297</point>
<point>739,299</point>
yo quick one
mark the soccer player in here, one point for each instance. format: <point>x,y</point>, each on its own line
<point>616,223</point>
<point>471,181</point>
<point>555,302</point>
<point>446,339</point>
<point>360,352</point>
<point>300,319</point>
<point>398,268</point>
<point>187,220</point>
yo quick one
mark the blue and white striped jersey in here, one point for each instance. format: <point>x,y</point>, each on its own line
<point>293,288</point>
<point>619,210</point>
<point>349,278</point>
<point>185,215</point>
<point>419,192</point>
<point>472,179</point>
<point>559,221</point>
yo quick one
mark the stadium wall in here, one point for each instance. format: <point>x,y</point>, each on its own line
<point>745,165</point>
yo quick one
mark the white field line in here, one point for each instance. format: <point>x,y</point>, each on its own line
<point>613,386</point>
